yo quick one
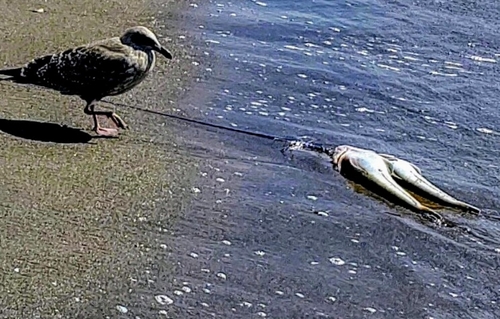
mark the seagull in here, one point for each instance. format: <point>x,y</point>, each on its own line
<point>102,68</point>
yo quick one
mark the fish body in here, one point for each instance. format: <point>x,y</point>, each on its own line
<point>385,171</point>
<point>412,175</point>
<point>376,169</point>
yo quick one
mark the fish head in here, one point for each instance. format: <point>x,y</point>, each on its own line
<point>339,153</point>
<point>141,38</point>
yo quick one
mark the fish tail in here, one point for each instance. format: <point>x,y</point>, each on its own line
<point>459,204</point>
<point>434,191</point>
<point>470,208</point>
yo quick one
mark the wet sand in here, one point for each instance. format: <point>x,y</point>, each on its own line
<point>77,212</point>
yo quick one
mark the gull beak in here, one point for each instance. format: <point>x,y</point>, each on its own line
<point>164,52</point>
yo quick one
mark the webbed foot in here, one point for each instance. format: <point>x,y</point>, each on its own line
<point>106,132</point>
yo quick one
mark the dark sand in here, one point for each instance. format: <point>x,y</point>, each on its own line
<point>77,212</point>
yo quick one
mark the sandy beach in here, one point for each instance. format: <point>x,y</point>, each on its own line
<point>72,206</point>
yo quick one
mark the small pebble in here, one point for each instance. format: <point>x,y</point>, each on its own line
<point>122,309</point>
<point>196,190</point>
<point>298,294</point>
<point>41,10</point>
<point>163,300</point>
<point>186,289</point>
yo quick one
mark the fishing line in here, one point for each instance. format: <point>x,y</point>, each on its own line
<point>232,129</point>
<point>292,141</point>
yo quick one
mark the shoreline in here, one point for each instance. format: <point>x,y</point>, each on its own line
<point>79,220</point>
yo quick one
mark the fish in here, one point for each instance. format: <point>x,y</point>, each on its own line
<point>387,172</point>
<point>411,174</point>
<point>376,169</point>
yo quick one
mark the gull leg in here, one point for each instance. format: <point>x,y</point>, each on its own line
<point>113,116</point>
<point>101,131</point>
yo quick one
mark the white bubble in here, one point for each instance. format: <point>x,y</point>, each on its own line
<point>222,275</point>
<point>337,261</point>
<point>371,310</point>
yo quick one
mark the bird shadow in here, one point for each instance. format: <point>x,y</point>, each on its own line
<point>43,131</point>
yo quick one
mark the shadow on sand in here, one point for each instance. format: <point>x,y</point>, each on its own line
<point>43,132</point>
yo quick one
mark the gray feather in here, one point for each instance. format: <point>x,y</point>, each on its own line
<point>103,68</point>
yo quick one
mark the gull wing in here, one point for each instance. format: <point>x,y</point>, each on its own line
<point>88,71</point>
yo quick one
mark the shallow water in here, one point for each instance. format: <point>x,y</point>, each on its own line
<point>285,237</point>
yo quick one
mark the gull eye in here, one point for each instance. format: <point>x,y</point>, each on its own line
<point>142,40</point>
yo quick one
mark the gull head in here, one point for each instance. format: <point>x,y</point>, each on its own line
<point>141,38</point>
